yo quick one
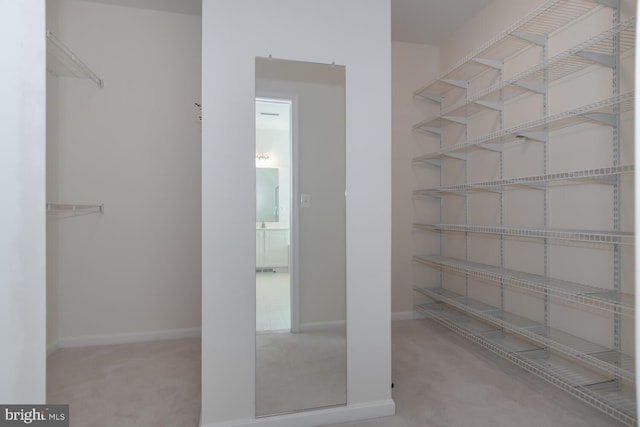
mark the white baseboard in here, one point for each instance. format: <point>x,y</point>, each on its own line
<point>321,326</point>
<point>88,341</point>
<point>404,315</point>
<point>320,417</point>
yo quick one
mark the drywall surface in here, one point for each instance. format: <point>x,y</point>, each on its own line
<point>133,146</point>
<point>413,65</point>
<point>313,31</point>
<point>22,219</point>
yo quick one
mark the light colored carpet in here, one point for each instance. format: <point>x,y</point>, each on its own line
<point>441,380</point>
<point>444,380</point>
<point>300,371</point>
<point>128,385</point>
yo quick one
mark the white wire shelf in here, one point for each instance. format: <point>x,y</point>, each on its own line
<point>541,22</point>
<point>604,176</point>
<point>590,387</point>
<point>599,50</point>
<point>598,357</point>
<point>601,112</point>
<point>603,299</point>
<point>72,208</point>
<point>612,237</point>
<point>61,61</point>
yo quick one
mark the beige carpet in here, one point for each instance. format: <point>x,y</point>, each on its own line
<point>441,380</point>
<point>129,385</point>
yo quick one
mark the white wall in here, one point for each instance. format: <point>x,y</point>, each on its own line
<point>133,272</point>
<point>22,218</point>
<point>324,32</point>
<point>413,65</point>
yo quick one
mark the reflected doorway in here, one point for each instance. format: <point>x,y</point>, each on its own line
<point>304,367</point>
<point>273,215</point>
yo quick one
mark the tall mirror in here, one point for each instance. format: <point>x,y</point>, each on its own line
<point>300,236</point>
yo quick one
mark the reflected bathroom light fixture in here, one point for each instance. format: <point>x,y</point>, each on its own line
<point>262,156</point>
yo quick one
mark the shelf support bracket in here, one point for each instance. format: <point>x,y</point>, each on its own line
<point>492,105</point>
<point>456,119</point>
<point>428,194</point>
<point>429,130</point>
<point>457,83</point>
<point>531,38</point>
<point>599,58</point>
<point>535,136</point>
<point>533,87</point>
<point>492,63</point>
<point>604,118</point>
<point>614,4</point>
<point>457,156</point>
<point>429,97</point>
<point>430,162</point>
<point>498,148</point>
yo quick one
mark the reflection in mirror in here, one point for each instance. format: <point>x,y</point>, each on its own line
<point>300,236</point>
<point>267,195</point>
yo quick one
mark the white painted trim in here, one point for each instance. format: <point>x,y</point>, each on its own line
<point>334,415</point>
<point>404,315</point>
<point>322,326</point>
<point>637,216</point>
<point>95,340</point>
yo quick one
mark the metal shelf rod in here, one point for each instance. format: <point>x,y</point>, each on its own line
<point>612,237</point>
<point>591,176</point>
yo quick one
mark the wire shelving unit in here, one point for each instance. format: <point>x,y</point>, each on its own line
<point>598,390</point>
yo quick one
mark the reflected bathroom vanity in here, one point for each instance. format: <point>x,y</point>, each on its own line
<point>272,249</point>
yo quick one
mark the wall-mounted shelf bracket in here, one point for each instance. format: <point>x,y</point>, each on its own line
<point>534,136</point>
<point>533,87</point>
<point>62,61</point>
<point>614,4</point>
<point>531,38</point>
<point>458,83</point>
<point>457,119</point>
<point>492,147</point>
<point>457,156</point>
<point>433,161</point>
<point>604,118</point>
<point>430,130</point>
<point>430,97</point>
<point>599,58</point>
<point>492,63</point>
<point>498,106</point>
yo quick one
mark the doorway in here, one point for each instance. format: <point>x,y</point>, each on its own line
<point>274,191</point>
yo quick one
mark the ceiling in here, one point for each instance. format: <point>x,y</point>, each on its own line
<point>412,21</point>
